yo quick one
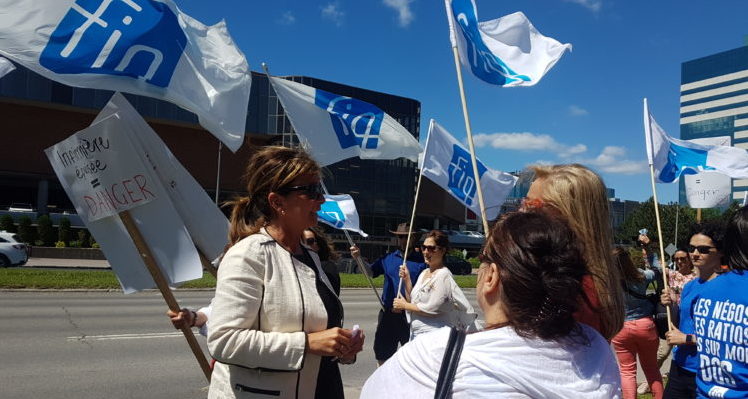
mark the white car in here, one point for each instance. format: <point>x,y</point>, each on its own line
<point>12,252</point>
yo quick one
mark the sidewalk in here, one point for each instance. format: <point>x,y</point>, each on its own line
<point>67,263</point>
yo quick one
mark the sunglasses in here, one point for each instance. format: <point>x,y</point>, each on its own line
<point>431,248</point>
<point>702,249</point>
<point>680,258</point>
<point>311,241</point>
<point>313,191</point>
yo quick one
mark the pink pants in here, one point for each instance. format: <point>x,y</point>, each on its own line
<point>638,337</point>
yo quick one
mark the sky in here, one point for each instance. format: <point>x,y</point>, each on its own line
<point>587,109</point>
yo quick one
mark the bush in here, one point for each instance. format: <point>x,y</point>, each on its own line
<point>75,244</point>
<point>26,231</point>
<point>7,223</point>
<point>60,244</point>
<point>474,262</point>
<point>95,245</point>
<point>46,230</point>
<point>64,232</point>
<point>84,238</point>
<point>457,253</point>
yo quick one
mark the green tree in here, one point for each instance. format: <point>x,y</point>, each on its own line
<point>26,231</point>
<point>46,230</point>
<point>64,232</point>
<point>7,224</point>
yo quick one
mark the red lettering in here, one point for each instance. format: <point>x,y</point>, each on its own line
<point>129,192</point>
<point>114,195</point>
<point>141,182</point>
<point>93,209</point>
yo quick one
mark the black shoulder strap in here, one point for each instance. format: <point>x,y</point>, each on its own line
<point>449,364</point>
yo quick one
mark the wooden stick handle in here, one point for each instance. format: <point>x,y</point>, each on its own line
<point>163,286</point>
<point>207,265</point>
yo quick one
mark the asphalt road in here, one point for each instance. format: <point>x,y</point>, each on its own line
<point>105,344</point>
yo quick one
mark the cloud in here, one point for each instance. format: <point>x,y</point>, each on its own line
<point>592,5</point>
<point>332,12</point>
<point>575,110</point>
<point>404,14</point>
<point>527,142</point>
<point>612,159</point>
<point>287,18</point>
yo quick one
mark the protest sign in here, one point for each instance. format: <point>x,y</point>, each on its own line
<point>709,189</point>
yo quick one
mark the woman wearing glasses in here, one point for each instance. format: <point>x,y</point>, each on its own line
<point>275,328</point>
<point>531,346</point>
<point>315,239</point>
<point>705,250</point>
<point>435,300</point>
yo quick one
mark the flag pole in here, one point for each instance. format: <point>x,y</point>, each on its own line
<point>163,286</point>
<point>648,138</point>
<point>470,139</point>
<point>218,172</point>
<point>412,219</point>
<point>359,261</point>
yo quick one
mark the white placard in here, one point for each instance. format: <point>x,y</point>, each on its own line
<point>101,172</point>
<point>709,189</point>
<point>670,249</point>
<point>153,212</point>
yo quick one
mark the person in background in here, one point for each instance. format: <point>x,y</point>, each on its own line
<point>276,325</point>
<point>319,243</point>
<point>720,313</point>
<point>579,196</point>
<point>705,250</point>
<point>528,287</point>
<point>392,326</point>
<point>435,300</point>
<point>639,334</point>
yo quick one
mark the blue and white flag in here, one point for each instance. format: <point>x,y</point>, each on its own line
<point>144,47</point>
<point>5,66</point>
<point>447,163</point>
<point>671,157</point>
<point>338,127</point>
<point>507,51</point>
<point>339,211</point>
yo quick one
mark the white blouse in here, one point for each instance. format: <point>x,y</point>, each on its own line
<point>442,300</point>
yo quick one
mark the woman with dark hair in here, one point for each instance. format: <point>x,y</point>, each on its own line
<point>435,300</point>
<point>639,334</point>
<point>705,249</point>
<point>528,287</point>
<point>319,243</point>
<point>722,308</point>
<point>275,329</point>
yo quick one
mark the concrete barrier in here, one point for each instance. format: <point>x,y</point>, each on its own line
<point>67,253</point>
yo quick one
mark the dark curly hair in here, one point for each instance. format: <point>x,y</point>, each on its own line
<point>715,230</point>
<point>440,238</point>
<point>540,271</point>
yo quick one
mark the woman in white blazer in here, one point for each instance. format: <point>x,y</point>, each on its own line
<point>275,329</point>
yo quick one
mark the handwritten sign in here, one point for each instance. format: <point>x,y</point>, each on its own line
<point>102,172</point>
<point>709,189</point>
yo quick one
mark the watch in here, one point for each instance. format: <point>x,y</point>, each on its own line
<point>689,338</point>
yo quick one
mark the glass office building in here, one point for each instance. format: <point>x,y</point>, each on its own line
<point>714,103</point>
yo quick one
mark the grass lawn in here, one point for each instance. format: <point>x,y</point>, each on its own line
<point>98,279</point>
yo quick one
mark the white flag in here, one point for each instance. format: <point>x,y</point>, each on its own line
<point>5,66</point>
<point>207,225</point>
<point>339,127</point>
<point>143,47</point>
<point>672,157</point>
<point>339,211</point>
<point>447,163</point>
<point>507,51</point>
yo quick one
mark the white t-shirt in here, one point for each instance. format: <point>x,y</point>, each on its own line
<point>500,363</point>
<point>442,299</point>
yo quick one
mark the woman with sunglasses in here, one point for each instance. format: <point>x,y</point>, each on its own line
<point>275,329</point>
<point>723,306</point>
<point>579,196</point>
<point>531,346</point>
<point>435,300</point>
<point>705,250</point>
<point>319,243</point>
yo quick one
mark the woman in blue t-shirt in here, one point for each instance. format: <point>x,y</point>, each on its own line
<point>705,250</point>
<point>720,316</point>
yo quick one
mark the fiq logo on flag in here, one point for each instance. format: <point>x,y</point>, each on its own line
<point>331,213</point>
<point>461,176</point>
<point>356,123</point>
<point>483,62</point>
<point>117,37</point>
